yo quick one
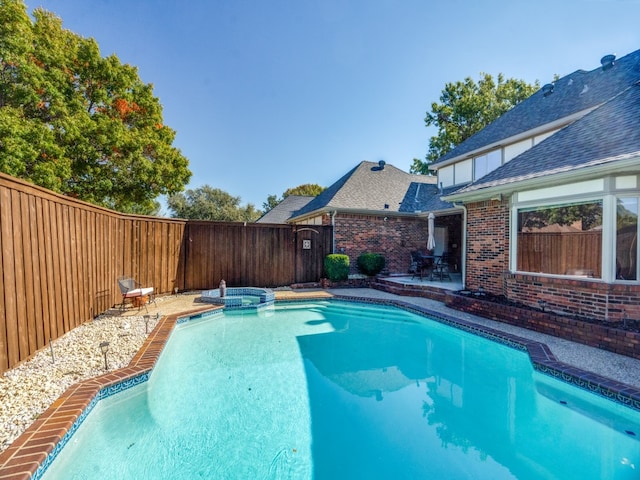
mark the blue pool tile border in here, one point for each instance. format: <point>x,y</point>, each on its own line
<point>107,392</point>
<point>102,394</point>
<point>198,316</point>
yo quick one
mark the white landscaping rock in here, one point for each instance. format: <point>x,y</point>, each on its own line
<point>27,390</point>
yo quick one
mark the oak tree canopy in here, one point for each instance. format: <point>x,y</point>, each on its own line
<point>79,123</point>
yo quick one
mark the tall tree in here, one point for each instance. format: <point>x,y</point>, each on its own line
<point>208,203</point>
<point>467,107</point>
<point>79,123</point>
<point>307,189</point>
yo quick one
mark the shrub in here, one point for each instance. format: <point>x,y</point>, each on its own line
<point>337,266</point>
<point>371,263</point>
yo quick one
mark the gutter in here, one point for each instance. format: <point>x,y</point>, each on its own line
<point>356,211</point>
<point>333,231</point>
<point>463,258</point>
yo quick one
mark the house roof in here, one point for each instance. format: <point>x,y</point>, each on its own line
<point>369,186</point>
<point>572,94</point>
<point>283,211</point>
<point>422,197</point>
<point>609,134</point>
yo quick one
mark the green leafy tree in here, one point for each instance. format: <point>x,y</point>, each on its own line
<point>272,201</point>
<point>587,216</point>
<point>307,189</point>
<point>78,123</point>
<point>467,107</point>
<point>208,203</point>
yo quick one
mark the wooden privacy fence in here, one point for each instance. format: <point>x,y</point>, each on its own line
<point>60,260</point>
<point>252,254</point>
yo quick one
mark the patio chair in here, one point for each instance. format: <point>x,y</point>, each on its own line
<point>441,267</point>
<point>132,290</point>
<point>419,265</point>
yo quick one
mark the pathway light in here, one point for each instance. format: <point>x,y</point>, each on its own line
<point>104,348</point>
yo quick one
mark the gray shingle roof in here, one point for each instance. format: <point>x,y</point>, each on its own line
<point>367,187</point>
<point>573,93</point>
<point>283,211</point>
<point>609,133</point>
<point>426,198</point>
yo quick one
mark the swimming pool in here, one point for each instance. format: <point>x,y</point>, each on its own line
<point>339,390</point>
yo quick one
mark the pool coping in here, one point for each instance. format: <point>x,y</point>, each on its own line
<point>29,455</point>
<point>31,450</point>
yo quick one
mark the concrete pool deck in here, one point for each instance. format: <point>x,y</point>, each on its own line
<point>31,451</point>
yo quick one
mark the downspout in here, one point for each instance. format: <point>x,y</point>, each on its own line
<point>333,231</point>
<point>463,259</point>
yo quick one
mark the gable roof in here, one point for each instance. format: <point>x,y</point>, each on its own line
<point>609,134</point>
<point>367,187</point>
<point>283,211</point>
<point>572,95</point>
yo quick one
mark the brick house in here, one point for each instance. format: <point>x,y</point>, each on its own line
<point>539,206</point>
<point>551,193</point>
<point>376,207</point>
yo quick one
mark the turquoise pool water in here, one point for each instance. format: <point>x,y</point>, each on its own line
<point>333,390</point>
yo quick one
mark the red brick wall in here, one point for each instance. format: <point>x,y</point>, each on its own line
<point>394,237</point>
<point>487,245</point>
<point>615,340</point>
<point>487,267</point>
<point>586,298</point>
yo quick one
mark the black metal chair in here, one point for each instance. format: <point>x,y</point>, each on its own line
<point>420,265</point>
<point>441,267</point>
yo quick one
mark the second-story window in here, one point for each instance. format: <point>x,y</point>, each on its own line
<point>486,163</point>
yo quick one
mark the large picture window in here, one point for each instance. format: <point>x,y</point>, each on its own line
<point>627,239</point>
<point>561,239</point>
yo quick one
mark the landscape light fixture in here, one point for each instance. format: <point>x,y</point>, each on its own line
<point>146,323</point>
<point>104,348</point>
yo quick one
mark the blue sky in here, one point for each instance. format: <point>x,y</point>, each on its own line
<point>268,95</point>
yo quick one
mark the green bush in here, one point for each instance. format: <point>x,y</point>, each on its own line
<point>337,266</point>
<point>371,263</point>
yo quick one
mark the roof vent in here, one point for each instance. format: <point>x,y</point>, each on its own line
<point>608,61</point>
<point>548,89</point>
<point>381,164</point>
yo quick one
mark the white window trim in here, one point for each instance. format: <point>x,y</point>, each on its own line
<point>543,198</point>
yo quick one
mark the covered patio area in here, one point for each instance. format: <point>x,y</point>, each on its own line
<point>453,284</point>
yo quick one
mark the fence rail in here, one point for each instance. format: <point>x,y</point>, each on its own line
<point>60,259</point>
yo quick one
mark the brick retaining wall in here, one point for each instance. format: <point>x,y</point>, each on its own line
<point>596,335</point>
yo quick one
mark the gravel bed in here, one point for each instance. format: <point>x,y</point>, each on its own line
<point>27,390</point>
